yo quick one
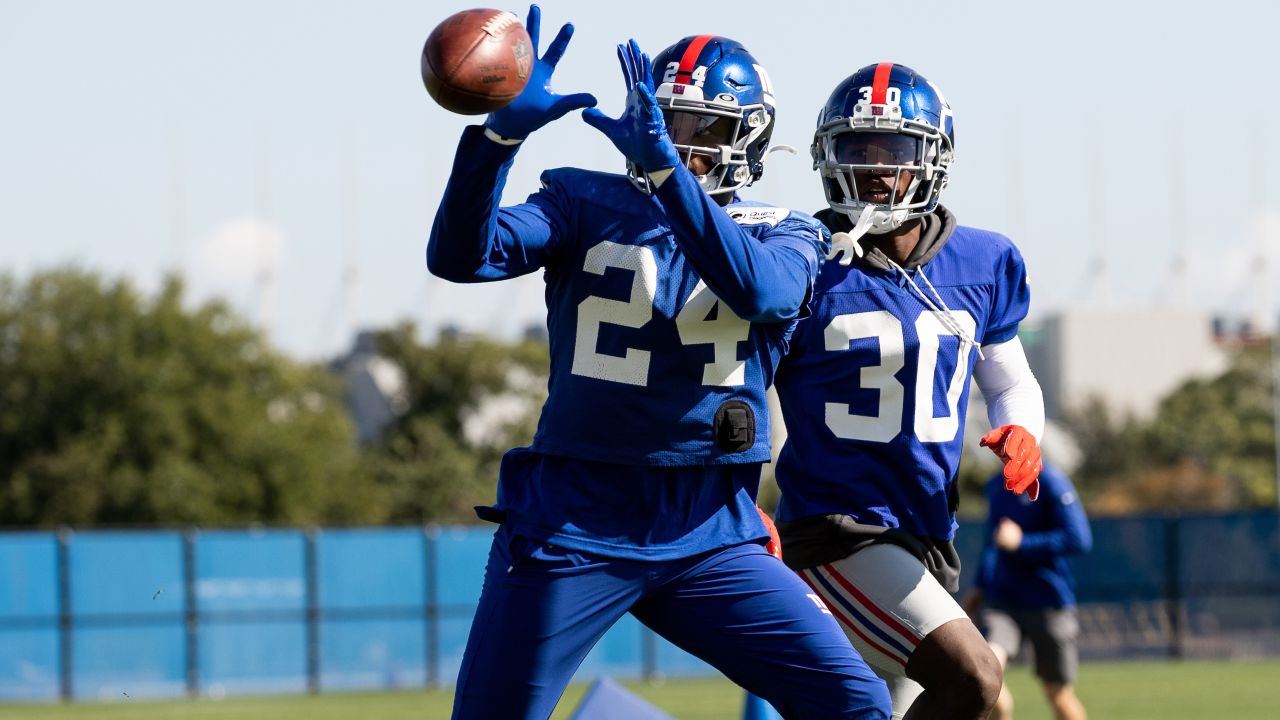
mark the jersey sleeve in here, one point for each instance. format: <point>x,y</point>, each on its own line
<point>1011,390</point>
<point>1011,299</point>
<point>765,279</point>
<point>474,240</point>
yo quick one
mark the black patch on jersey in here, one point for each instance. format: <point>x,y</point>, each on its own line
<point>735,426</point>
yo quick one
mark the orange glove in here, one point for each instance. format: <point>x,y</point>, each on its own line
<point>774,546</point>
<point>1021,455</point>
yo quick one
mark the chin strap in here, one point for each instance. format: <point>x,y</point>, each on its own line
<point>845,245</point>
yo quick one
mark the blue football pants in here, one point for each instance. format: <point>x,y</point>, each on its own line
<point>543,608</point>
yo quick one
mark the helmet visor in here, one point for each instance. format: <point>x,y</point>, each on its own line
<point>877,148</point>
<point>699,129</point>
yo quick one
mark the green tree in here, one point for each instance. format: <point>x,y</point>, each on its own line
<point>470,400</point>
<point>120,409</point>
<point>1223,425</point>
<point>1209,446</point>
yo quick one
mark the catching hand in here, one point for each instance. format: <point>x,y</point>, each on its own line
<point>1020,452</point>
<point>538,105</point>
<point>640,133</point>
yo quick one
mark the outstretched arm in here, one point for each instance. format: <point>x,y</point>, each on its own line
<point>760,281</point>
<point>1015,406</point>
<point>472,240</point>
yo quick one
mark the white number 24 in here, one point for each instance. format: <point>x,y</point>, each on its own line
<point>723,333</point>
<point>885,425</point>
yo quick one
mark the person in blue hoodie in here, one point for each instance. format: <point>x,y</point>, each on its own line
<point>1024,587</point>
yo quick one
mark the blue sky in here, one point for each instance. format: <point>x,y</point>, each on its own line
<point>240,140</point>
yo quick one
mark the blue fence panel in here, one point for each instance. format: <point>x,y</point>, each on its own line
<point>29,616</point>
<point>29,585</point>
<point>252,571</point>
<point>372,654</point>
<point>251,600</point>
<point>1219,553</point>
<point>112,663</point>
<point>127,599</point>
<point>451,643</point>
<point>127,573</point>
<point>1229,573</point>
<point>29,664</point>
<point>287,610</point>
<point>372,592</point>
<point>252,657</point>
<point>460,555</point>
<point>1128,561</point>
<point>370,568</point>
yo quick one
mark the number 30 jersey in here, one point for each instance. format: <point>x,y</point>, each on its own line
<point>875,389</point>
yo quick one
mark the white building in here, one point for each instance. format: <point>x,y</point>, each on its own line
<point>1129,358</point>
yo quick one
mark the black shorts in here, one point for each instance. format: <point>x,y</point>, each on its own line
<point>1053,633</point>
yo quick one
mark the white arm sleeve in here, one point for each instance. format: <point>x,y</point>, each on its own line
<point>1013,395</point>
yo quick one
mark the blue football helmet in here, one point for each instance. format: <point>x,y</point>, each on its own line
<point>884,119</point>
<point>718,103</point>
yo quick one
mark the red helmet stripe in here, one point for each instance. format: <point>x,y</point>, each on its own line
<point>880,84</point>
<point>690,57</point>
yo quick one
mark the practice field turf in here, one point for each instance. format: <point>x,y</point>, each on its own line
<point>1111,691</point>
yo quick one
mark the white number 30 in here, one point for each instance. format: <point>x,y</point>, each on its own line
<point>885,425</point>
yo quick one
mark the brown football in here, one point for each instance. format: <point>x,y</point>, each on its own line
<point>477,61</point>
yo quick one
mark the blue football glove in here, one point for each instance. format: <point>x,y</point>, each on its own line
<point>640,133</point>
<point>538,104</point>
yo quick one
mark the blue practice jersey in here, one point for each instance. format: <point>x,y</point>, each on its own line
<point>1037,575</point>
<point>643,352</point>
<point>875,390</point>
<point>667,317</point>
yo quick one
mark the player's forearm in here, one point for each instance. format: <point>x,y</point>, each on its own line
<point>1011,390</point>
<point>1044,545</point>
<point>1071,537</point>
<point>465,226</point>
<point>759,282</point>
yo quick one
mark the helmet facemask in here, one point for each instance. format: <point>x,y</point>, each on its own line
<point>847,150</point>
<point>718,129</point>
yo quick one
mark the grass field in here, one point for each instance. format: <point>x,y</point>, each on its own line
<point>1111,691</point>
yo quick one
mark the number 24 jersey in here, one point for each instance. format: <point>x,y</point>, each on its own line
<point>643,352</point>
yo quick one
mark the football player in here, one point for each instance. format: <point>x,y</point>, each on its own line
<point>909,305</point>
<point>669,303</point>
<point>1025,589</point>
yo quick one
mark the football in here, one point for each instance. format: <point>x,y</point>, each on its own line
<point>477,61</point>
